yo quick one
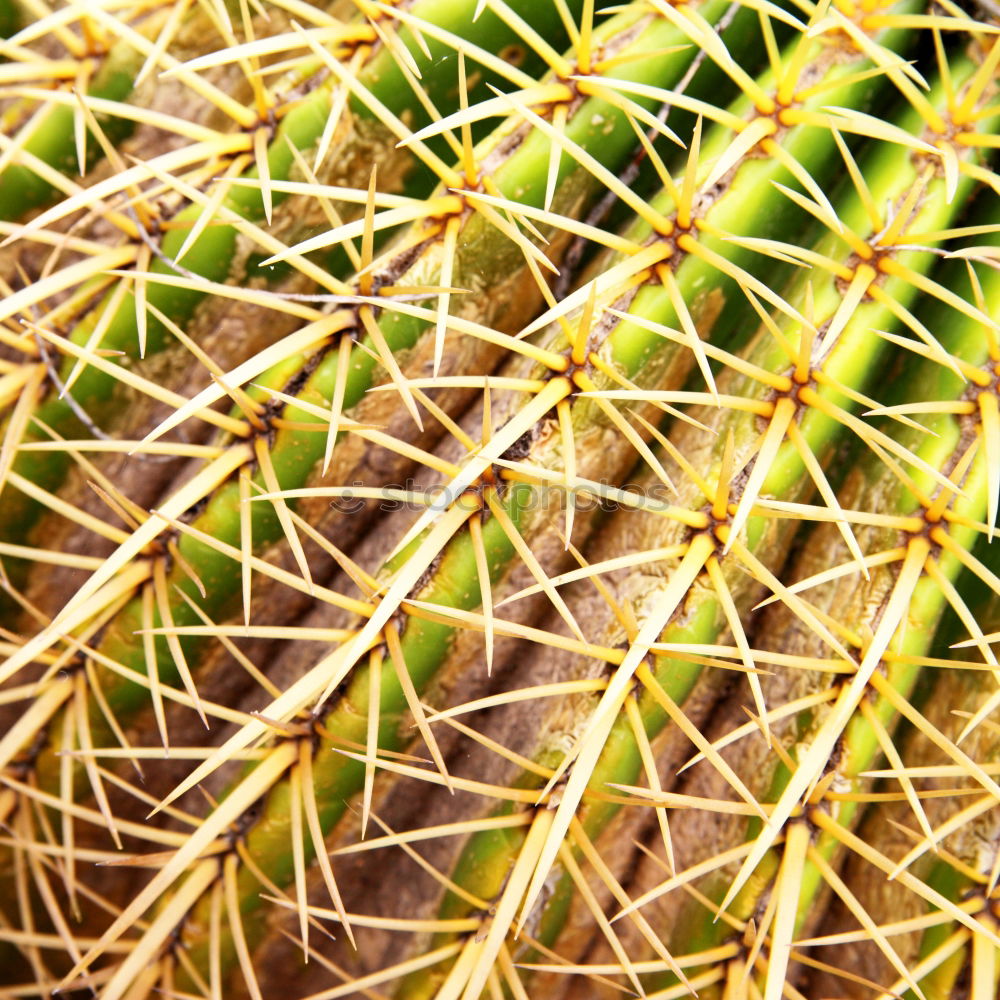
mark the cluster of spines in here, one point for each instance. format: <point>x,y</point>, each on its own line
<point>743,650</point>
<point>382,598</point>
<point>156,596</point>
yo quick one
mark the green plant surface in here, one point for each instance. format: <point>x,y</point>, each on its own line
<point>105,61</point>
<point>899,582</point>
<point>11,18</point>
<point>845,370</point>
<point>674,413</point>
<point>944,954</point>
<point>292,455</point>
<point>204,237</point>
<point>47,144</point>
<point>136,46</point>
<point>847,358</point>
<point>417,649</point>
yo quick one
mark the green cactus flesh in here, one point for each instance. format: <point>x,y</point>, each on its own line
<point>499,499</point>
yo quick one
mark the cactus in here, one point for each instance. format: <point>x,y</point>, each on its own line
<point>499,499</point>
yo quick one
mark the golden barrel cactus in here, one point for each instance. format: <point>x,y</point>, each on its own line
<point>498,499</point>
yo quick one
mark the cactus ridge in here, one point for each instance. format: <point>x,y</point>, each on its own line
<point>622,298</point>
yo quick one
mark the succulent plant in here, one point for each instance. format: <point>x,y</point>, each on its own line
<point>498,499</point>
